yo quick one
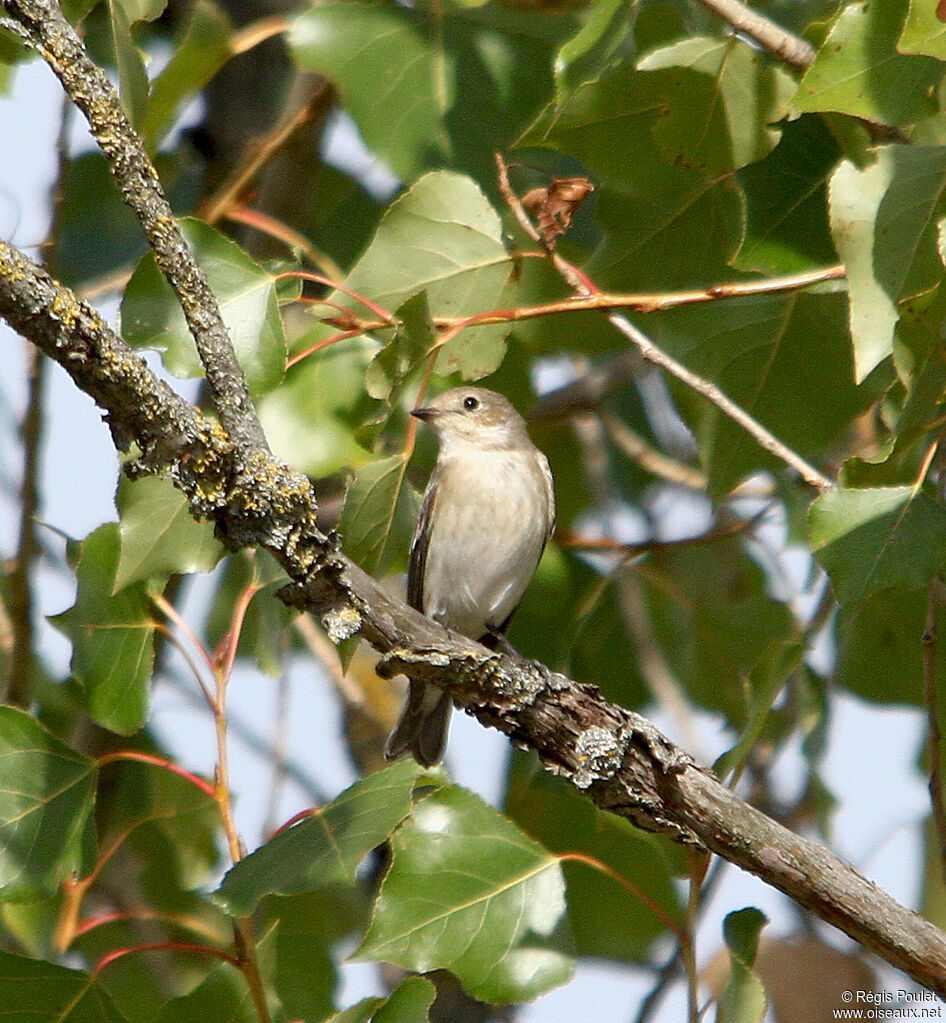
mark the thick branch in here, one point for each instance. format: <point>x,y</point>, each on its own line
<point>46,29</point>
<point>616,757</point>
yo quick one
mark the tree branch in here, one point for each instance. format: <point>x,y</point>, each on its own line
<point>614,756</point>
<point>50,34</point>
<point>789,48</point>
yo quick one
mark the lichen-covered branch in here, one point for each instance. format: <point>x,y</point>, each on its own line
<point>46,29</point>
<point>614,756</point>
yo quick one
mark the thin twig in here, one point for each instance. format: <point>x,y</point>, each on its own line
<point>260,151</point>
<point>789,48</point>
<point>656,356</point>
<point>648,457</point>
<point>707,389</point>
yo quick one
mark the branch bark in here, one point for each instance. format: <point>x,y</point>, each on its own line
<point>615,757</point>
<point>46,29</point>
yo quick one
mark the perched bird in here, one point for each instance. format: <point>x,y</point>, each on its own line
<point>487,513</point>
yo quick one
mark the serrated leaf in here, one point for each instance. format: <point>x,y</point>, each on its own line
<point>379,514</point>
<point>151,316</point>
<point>858,70</point>
<point>467,891</point>
<point>721,96</point>
<point>37,990</point>
<point>442,236</point>
<point>46,800</point>
<point>743,999</point>
<point>202,51</point>
<point>325,848</point>
<point>868,540</point>
<point>112,635</point>
<point>159,536</point>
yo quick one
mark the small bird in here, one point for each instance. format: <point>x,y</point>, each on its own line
<point>487,514</point>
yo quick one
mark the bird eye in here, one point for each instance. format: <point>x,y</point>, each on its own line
<point>470,403</point>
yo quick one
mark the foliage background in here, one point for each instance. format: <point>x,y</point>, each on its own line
<point>712,163</point>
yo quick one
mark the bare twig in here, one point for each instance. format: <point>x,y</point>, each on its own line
<point>48,32</point>
<point>789,48</point>
<point>707,389</point>
<point>657,357</point>
<point>649,458</point>
<point>259,152</point>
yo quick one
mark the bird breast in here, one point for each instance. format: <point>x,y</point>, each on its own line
<point>489,530</point>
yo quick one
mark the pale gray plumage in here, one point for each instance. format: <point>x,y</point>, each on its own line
<point>487,513</point>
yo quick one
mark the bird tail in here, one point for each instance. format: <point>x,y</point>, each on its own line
<point>422,728</point>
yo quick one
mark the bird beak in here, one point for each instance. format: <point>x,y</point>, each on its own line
<point>426,413</point>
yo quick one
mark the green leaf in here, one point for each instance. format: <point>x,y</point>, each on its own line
<point>202,51</point>
<point>468,892</point>
<point>389,77</point>
<point>607,123</point>
<point>45,805</point>
<point>159,536</point>
<point>413,338</point>
<point>112,635</point>
<point>132,77</point>
<point>408,1003</point>
<point>923,32</point>
<point>764,353</point>
<point>677,230</point>
<point>170,822</point>
<point>786,201</point>
<point>765,682</point>
<point>884,222</point>
<point>602,39</point>
<point>379,514</point>
<point>325,848</point>
<point>151,316</point>
<point>442,236</point>
<point>720,98</point>
<point>855,200</point>
<point>309,926</point>
<point>713,619</point>
<point>858,70</point>
<point>309,419</point>
<point>743,999</point>
<point>868,540</point>
<point>221,997</point>
<point>428,87</point>
<point>92,203</point>
<point>41,991</point>
<point>606,919</point>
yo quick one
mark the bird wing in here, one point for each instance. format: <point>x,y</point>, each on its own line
<point>420,542</point>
